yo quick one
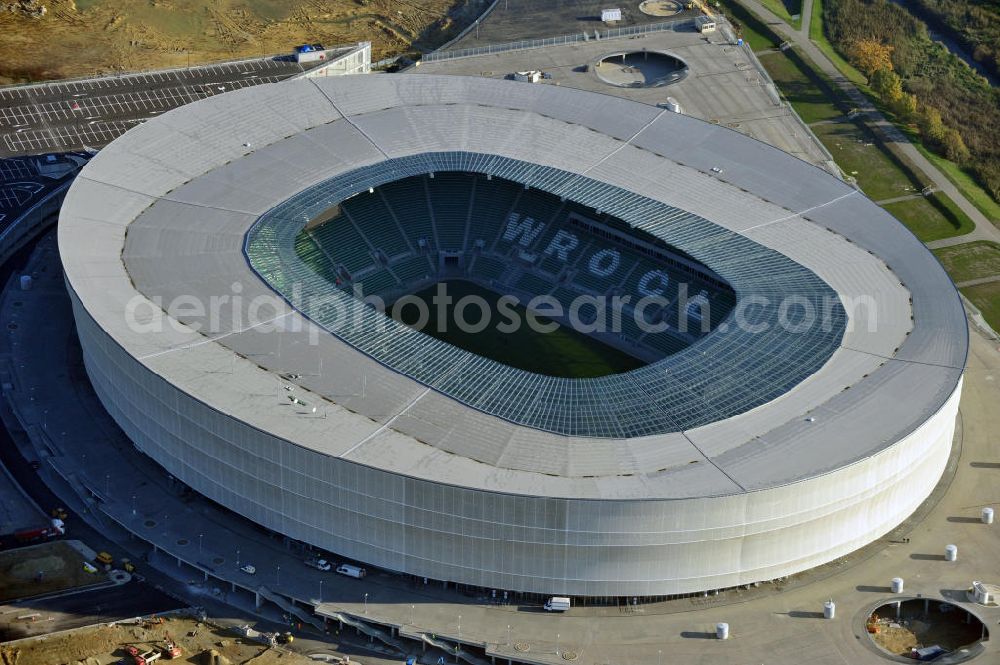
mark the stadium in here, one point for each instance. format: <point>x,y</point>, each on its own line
<point>781,390</point>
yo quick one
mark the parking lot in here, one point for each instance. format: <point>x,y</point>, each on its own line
<point>72,115</point>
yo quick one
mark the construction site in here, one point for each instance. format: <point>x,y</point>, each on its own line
<point>923,628</point>
<point>180,637</point>
<point>111,36</point>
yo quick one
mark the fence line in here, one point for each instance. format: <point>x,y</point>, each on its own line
<point>468,28</point>
<point>528,44</point>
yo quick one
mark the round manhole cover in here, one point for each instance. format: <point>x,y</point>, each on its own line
<point>217,560</point>
<point>182,541</point>
<point>149,524</point>
<point>119,577</point>
<point>521,646</point>
<point>569,655</point>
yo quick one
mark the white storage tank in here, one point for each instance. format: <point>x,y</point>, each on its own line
<point>25,282</point>
<point>987,512</point>
<point>897,585</point>
<point>722,631</point>
<point>951,553</point>
<point>829,609</point>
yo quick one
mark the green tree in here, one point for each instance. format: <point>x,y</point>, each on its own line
<point>954,146</point>
<point>906,106</point>
<point>931,126</point>
<point>887,85</point>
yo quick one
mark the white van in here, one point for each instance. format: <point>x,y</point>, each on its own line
<point>557,604</point>
<point>351,571</point>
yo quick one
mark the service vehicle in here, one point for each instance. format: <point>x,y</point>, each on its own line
<point>557,604</point>
<point>351,571</point>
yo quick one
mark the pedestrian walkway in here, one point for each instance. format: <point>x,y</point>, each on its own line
<point>985,230</point>
<point>906,197</point>
<point>977,282</point>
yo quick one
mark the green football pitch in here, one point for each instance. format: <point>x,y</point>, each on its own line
<point>563,352</point>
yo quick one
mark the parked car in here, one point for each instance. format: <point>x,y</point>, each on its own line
<point>248,569</point>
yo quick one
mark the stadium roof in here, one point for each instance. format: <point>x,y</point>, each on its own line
<point>728,372</point>
<point>164,211</point>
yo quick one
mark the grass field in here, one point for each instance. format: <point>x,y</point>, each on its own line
<point>973,260</point>
<point>972,190</point>
<point>786,10</point>
<point>750,28</point>
<point>932,217</point>
<point>987,298</point>
<point>31,571</point>
<point>811,97</point>
<point>857,154</point>
<point>562,352</point>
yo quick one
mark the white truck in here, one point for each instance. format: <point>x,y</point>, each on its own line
<point>319,564</point>
<point>557,604</point>
<point>351,571</point>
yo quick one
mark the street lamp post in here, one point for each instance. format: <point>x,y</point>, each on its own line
<point>412,607</point>
<point>321,591</point>
<point>557,645</point>
<point>277,575</point>
<point>200,537</point>
<point>366,603</point>
<point>237,557</point>
<point>508,634</point>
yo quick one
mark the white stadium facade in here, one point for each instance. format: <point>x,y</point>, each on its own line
<point>748,453</point>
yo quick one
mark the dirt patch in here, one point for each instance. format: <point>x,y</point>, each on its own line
<point>40,569</point>
<point>107,644</point>
<point>661,7</point>
<point>107,36</point>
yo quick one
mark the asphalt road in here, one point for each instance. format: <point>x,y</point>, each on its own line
<point>82,609</point>
<point>72,115</point>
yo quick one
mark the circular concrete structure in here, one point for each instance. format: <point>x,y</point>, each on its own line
<point>753,453</point>
<point>660,7</point>
<point>640,69</point>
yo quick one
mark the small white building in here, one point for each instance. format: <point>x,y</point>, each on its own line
<point>532,76</point>
<point>342,60</point>
<point>611,15</point>
<point>705,24</point>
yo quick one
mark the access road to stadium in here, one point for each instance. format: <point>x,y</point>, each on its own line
<point>52,398</point>
<point>90,113</point>
<point>726,85</point>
